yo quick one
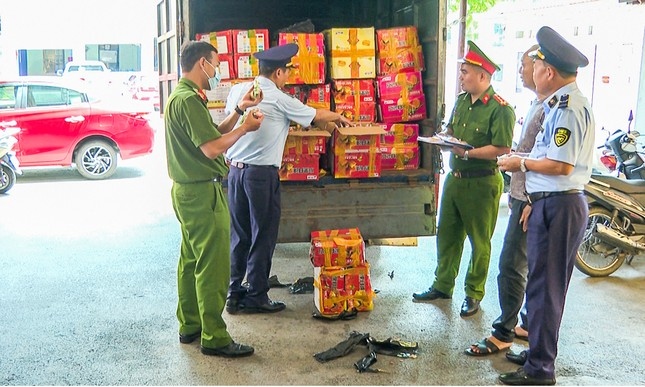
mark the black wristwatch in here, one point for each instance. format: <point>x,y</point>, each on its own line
<point>238,110</point>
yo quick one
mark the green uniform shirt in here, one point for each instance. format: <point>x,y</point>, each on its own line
<point>487,121</point>
<point>188,126</point>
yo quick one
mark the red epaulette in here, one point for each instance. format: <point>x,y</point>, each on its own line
<point>500,100</point>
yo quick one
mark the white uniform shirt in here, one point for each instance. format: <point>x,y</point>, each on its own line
<point>567,135</point>
<point>265,146</point>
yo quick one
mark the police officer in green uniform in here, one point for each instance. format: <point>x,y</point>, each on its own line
<point>195,148</point>
<point>472,190</point>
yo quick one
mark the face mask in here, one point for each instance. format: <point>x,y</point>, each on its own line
<point>214,81</point>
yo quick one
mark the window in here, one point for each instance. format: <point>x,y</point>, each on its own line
<point>8,96</point>
<point>52,96</point>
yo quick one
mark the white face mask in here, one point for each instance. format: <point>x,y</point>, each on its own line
<point>213,81</point>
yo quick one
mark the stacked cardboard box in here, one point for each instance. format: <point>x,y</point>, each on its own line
<point>316,96</point>
<point>357,152</point>
<point>235,49</point>
<point>399,147</point>
<point>301,157</point>
<point>398,50</point>
<point>341,273</point>
<point>401,97</point>
<point>352,53</point>
<point>355,99</point>
<point>310,59</point>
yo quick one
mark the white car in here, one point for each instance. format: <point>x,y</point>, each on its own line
<point>91,72</point>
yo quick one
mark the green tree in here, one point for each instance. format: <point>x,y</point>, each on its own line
<point>473,6</point>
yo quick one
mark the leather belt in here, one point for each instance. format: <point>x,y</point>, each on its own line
<point>474,173</point>
<point>535,196</point>
<point>239,165</point>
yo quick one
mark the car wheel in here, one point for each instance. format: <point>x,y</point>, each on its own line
<point>96,160</point>
<point>7,179</point>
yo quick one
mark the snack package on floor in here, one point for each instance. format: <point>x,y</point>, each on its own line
<point>343,247</point>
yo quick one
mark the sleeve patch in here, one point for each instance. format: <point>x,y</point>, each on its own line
<point>561,136</point>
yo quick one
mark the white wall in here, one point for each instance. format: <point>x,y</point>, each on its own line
<point>614,49</point>
<point>71,24</point>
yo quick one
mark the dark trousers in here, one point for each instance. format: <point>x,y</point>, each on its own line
<point>555,230</point>
<point>511,281</point>
<point>254,202</point>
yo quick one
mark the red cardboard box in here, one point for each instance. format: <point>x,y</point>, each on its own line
<point>401,134</point>
<point>398,50</point>
<point>357,165</point>
<point>402,110</point>
<point>300,167</point>
<point>221,40</point>
<point>250,41</point>
<point>343,247</point>
<point>330,297</point>
<point>358,138</point>
<point>399,85</point>
<point>316,96</point>
<point>310,59</point>
<point>227,66</point>
<point>358,288</point>
<point>358,111</point>
<point>306,142</point>
<point>246,66</point>
<point>350,91</point>
<point>397,158</point>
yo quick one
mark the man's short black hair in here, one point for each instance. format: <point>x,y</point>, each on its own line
<point>192,51</point>
<point>266,70</point>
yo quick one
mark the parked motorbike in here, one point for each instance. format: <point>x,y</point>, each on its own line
<point>623,155</point>
<point>9,165</point>
<point>616,227</point>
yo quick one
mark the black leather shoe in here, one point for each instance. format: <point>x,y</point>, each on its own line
<point>187,339</point>
<point>517,358</point>
<point>520,378</point>
<point>429,295</point>
<point>232,305</point>
<point>269,307</point>
<point>232,350</point>
<point>469,307</point>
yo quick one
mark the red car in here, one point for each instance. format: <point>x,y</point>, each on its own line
<point>62,125</point>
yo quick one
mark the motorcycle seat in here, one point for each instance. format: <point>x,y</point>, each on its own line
<point>626,186</point>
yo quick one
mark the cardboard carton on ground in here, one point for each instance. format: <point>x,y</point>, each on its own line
<point>342,247</point>
<point>330,298</point>
<point>358,288</point>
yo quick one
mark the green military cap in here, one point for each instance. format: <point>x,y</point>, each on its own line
<point>476,56</point>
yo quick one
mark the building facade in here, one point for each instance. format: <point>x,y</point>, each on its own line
<point>610,33</point>
<point>38,37</point>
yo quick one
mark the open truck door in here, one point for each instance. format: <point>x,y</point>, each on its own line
<point>397,204</point>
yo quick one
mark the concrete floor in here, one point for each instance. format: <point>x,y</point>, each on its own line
<point>88,297</point>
